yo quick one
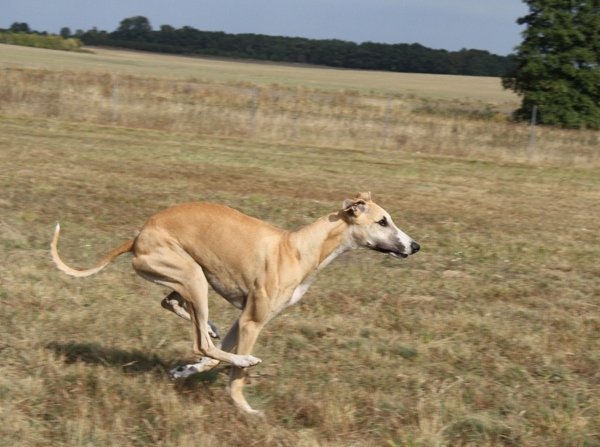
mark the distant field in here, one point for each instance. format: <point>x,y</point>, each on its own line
<point>277,103</point>
<point>462,88</point>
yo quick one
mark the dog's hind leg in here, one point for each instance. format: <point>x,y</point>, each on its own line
<point>169,265</point>
<point>176,304</point>
<point>196,296</point>
<point>206,363</point>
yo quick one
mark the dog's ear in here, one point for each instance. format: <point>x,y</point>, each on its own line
<point>366,196</point>
<point>355,207</point>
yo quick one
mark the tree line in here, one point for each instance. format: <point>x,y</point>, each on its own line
<point>137,33</point>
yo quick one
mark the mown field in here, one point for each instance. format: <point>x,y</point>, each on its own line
<point>490,336</point>
<point>130,63</point>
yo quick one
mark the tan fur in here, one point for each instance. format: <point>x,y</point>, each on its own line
<point>258,268</point>
<point>126,247</point>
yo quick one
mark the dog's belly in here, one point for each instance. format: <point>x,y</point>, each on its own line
<point>230,291</point>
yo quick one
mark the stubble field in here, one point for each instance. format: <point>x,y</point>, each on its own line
<point>489,336</point>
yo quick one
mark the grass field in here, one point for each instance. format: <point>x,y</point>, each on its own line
<point>490,336</point>
<point>100,60</point>
<point>451,116</point>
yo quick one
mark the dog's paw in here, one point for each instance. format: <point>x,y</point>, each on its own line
<point>244,361</point>
<point>213,331</point>
<point>249,410</point>
<point>183,371</point>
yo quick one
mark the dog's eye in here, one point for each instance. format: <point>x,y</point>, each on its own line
<point>383,222</point>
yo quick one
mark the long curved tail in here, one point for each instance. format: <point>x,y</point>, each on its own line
<point>127,246</point>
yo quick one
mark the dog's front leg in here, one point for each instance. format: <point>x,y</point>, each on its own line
<point>252,320</point>
<point>237,376</point>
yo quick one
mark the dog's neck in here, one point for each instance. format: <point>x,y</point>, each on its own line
<point>322,241</point>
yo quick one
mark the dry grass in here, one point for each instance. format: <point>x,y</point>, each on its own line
<point>129,63</point>
<point>298,116</point>
<point>490,336</point>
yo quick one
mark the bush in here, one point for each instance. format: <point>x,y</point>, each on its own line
<point>41,41</point>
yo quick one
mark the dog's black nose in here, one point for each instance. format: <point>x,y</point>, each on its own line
<point>415,247</point>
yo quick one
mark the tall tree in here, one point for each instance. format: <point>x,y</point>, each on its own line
<point>134,28</point>
<point>20,27</point>
<point>557,67</point>
<point>65,32</point>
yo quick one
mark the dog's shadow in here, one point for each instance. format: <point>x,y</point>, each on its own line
<point>129,362</point>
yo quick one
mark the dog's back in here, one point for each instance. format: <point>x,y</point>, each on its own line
<point>223,241</point>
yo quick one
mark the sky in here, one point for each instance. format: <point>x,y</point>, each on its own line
<point>440,24</point>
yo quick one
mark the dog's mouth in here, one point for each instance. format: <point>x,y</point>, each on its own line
<point>398,255</point>
<point>394,253</point>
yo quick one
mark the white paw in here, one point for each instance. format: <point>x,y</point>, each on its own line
<point>183,371</point>
<point>244,361</point>
<point>252,411</point>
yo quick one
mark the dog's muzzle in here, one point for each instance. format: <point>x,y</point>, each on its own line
<point>400,251</point>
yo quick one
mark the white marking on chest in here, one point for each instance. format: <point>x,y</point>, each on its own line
<point>299,292</point>
<point>302,288</point>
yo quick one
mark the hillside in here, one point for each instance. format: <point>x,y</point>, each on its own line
<point>136,33</point>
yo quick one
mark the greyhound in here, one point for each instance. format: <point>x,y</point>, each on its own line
<point>258,268</point>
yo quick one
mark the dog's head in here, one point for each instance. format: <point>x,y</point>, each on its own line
<point>373,228</point>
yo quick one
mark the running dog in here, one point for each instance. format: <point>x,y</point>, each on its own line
<point>258,268</point>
